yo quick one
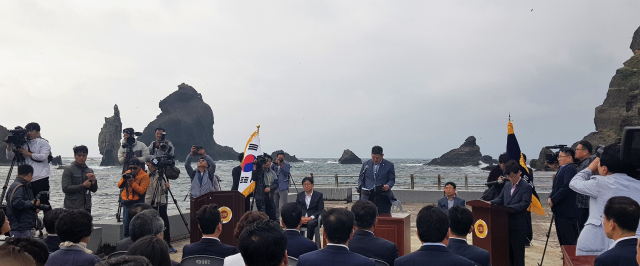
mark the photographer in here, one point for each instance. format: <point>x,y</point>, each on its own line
<point>203,180</point>
<point>37,153</point>
<point>78,181</point>
<point>157,197</point>
<point>161,146</point>
<point>134,184</point>
<point>21,206</point>
<point>282,170</point>
<point>266,185</point>
<point>129,141</point>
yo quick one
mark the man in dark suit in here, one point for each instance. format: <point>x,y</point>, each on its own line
<point>263,243</point>
<point>377,177</point>
<point>433,232</point>
<point>312,204</point>
<point>297,244</point>
<point>460,225</point>
<point>364,242</point>
<point>451,199</point>
<point>50,219</point>
<point>517,195</point>
<point>562,199</point>
<point>210,224</point>
<point>620,222</point>
<point>338,229</point>
<point>235,175</point>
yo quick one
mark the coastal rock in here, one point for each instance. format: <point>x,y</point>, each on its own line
<point>489,160</point>
<point>467,154</point>
<point>348,157</point>
<point>109,139</point>
<point>3,146</point>
<point>635,42</point>
<point>188,121</point>
<point>57,160</point>
<point>287,157</point>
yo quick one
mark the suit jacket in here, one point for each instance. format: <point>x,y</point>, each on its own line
<point>386,176</point>
<point>52,242</point>
<point>124,244</point>
<point>562,197</point>
<point>623,254</point>
<point>368,245</point>
<point>298,244</point>
<point>209,247</point>
<point>315,206</point>
<point>235,175</point>
<point>461,247</point>
<point>443,203</point>
<point>334,256</point>
<point>520,201</point>
<point>433,255</point>
<point>71,256</point>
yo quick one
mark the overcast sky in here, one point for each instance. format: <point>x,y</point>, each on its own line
<point>416,77</point>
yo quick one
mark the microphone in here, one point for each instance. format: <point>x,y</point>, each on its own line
<point>365,169</point>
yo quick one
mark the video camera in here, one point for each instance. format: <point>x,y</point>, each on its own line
<point>630,150</point>
<point>18,137</point>
<point>163,161</point>
<point>552,158</point>
<point>131,139</point>
<point>42,196</point>
<point>162,144</point>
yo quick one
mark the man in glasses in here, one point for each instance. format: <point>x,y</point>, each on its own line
<point>134,184</point>
<point>562,199</point>
<point>584,152</point>
<point>203,179</point>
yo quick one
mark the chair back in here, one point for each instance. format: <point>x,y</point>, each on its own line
<point>396,206</point>
<point>202,260</point>
<point>292,261</point>
<point>117,254</point>
<point>379,262</point>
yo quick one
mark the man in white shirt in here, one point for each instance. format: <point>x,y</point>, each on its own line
<point>312,204</point>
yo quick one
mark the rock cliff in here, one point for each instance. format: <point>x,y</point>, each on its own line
<point>287,157</point>
<point>467,154</point>
<point>109,139</point>
<point>348,157</point>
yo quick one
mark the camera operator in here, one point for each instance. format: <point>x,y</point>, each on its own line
<point>157,197</point>
<point>583,154</point>
<point>21,205</point>
<point>134,184</point>
<point>161,146</point>
<point>36,153</point>
<point>265,187</point>
<point>78,181</point>
<point>282,170</point>
<point>138,148</point>
<point>203,180</point>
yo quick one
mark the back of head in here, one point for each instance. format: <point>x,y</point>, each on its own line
<point>50,219</point>
<point>12,256</point>
<point>137,208</point>
<point>624,211</point>
<point>247,219</point>
<point>291,214</point>
<point>611,159</point>
<point>263,244</point>
<point>74,225</point>
<point>338,225</point>
<point>208,218</point>
<point>152,248</point>
<point>146,223</point>
<point>511,167</point>
<point>460,220</point>
<point>432,224</point>
<point>126,260</point>
<point>25,170</point>
<point>241,156</point>
<point>503,158</point>
<point>35,248</point>
<point>365,213</point>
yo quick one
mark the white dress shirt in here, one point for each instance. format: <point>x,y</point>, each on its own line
<point>307,199</point>
<point>620,239</point>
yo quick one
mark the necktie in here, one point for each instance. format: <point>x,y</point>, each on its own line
<point>375,173</point>
<point>200,177</point>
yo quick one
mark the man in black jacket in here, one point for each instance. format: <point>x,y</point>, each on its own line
<point>460,225</point>
<point>312,204</point>
<point>235,174</point>
<point>21,206</point>
<point>562,199</point>
<point>364,242</point>
<point>50,219</point>
<point>620,222</point>
<point>210,224</point>
<point>297,244</point>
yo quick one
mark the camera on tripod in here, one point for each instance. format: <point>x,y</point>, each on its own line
<point>552,158</point>
<point>18,137</point>
<point>162,144</point>
<point>43,196</point>
<point>164,161</point>
<point>131,138</point>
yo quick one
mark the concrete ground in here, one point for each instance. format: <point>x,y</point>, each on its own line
<point>533,254</point>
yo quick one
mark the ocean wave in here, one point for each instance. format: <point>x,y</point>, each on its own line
<point>332,162</point>
<point>100,167</point>
<point>412,164</point>
<point>307,161</point>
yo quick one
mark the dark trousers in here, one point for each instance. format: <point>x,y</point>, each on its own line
<point>516,246</point>
<point>529,235</point>
<point>311,228</point>
<point>162,210</point>
<point>38,186</point>
<point>380,200</point>
<point>267,206</point>
<point>567,230</point>
<point>583,216</point>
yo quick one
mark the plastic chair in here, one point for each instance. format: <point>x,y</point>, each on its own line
<point>396,206</point>
<point>116,254</point>
<point>292,261</point>
<point>316,234</point>
<point>379,262</point>
<point>202,260</point>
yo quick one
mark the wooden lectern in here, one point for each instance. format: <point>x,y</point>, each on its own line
<point>231,204</point>
<point>397,229</point>
<point>491,230</point>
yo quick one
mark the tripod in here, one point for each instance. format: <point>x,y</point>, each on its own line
<point>545,244</point>
<point>19,160</point>
<point>294,183</point>
<point>155,194</point>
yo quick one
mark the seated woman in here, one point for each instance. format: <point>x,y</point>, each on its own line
<point>247,219</point>
<point>154,249</point>
<point>74,229</point>
<point>4,227</point>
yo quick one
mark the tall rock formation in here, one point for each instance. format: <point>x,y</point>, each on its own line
<point>110,138</point>
<point>3,146</point>
<point>287,157</point>
<point>348,157</point>
<point>467,154</point>
<point>188,121</point>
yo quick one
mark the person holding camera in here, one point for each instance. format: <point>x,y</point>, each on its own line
<point>21,206</point>
<point>131,145</point>
<point>37,153</point>
<point>377,177</point>
<point>266,186</point>
<point>158,197</point>
<point>283,171</point>
<point>161,145</point>
<point>78,181</point>
<point>134,184</point>
<point>204,179</point>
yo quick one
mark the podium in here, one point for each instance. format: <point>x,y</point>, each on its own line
<point>570,258</point>
<point>396,228</point>
<point>231,204</point>
<point>491,230</point>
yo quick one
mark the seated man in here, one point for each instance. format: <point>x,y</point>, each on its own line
<point>263,243</point>
<point>620,221</point>
<point>312,204</point>
<point>460,225</point>
<point>297,244</point>
<point>12,255</point>
<point>74,228</point>
<point>364,242</point>
<point>338,229</point>
<point>124,244</point>
<point>145,223</point>
<point>433,232</point>
<point>210,224</point>
<point>451,199</point>
<point>52,241</point>
<point>31,246</point>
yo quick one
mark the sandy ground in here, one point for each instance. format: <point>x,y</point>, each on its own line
<point>533,254</point>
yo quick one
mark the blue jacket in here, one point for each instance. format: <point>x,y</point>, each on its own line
<point>433,255</point>
<point>53,243</point>
<point>443,203</point>
<point>386,176</point>
<point>72,256</point>
<point>283,175</point>
<point>368,245</point>
<point>562,197</point>
<point>298,244</point>
<point>480,256</point>
<point>209,247</point>
<point>623,254</point>
<point>334,256</point>
<point>520,201</point>
<point>20,209</point>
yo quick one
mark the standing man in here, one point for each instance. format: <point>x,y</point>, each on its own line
<point>312,204</point>
<point>78,181</point>
<point>451,198</point>
<point>134,184</point>
<point>161,146</point>
<point>157,197</point>
<point>282,170</point>
<point>36,153</point>
<point>203,180</point>
<point>516,195</point>
<point>377,177</point>
<point>236,172</point>
<point>264,190</point>
<point>21,207</point>
<point>584,153</point>
<point>562,199</point>
<point>129,141</point>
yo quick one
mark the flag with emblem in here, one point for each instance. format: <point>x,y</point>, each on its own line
<point>513,150</point>
<point>251,151</point>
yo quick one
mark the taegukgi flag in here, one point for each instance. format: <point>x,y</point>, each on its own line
<point>251,151</point>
